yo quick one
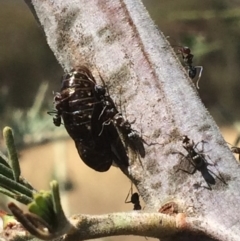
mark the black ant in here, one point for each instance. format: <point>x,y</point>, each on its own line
<point>198,161</point>
<point>134,199</point>
<point>187,58</point>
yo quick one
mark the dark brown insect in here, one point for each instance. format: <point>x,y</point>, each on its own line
<point>134,199</point>
<point>81,107</point>
<point>187,57</point>
<point>130,136</point>
<point>198,162</point>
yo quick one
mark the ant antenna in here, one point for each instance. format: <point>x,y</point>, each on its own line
<point>104,84</point>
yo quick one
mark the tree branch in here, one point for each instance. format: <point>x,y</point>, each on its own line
<point>119,40</point>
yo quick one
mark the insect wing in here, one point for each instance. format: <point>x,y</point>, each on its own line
<point>107,137</point>
<point>94,157</point>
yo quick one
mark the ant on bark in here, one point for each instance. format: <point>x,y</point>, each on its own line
<point>187,57</point>
<point>198,161</point>
<point>134,199</point>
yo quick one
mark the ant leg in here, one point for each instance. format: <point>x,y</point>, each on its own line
<point>151,143</point>
<point>180,153</point>
<point>199,75</point>
<point>218,177</point>
<point>187,158</point>
<point>213,164</point>
<point>197,185</point>
<point>104,84</point>
<point>105,123</point>
<point>102,112</point>
<point>209,187</point>
<point>129,193</point>
<point>191,173</point>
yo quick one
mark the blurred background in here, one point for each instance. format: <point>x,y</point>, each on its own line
<point>29,73</point>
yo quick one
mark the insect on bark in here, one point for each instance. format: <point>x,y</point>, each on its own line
<point>110,115</point>
<point>198,162</point>
<point>187,57</point>
<point>79,104</point>
<point>134,199</point>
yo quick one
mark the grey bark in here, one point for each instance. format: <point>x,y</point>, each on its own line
<point>117,39</point>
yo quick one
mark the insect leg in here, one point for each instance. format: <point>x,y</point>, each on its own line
<point>218,177</point>
<point>129,193</point>
<point>189,159</point>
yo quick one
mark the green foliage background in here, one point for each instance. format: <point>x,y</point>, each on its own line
<point>211,28</point>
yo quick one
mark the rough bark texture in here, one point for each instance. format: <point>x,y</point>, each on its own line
<point>117,39</point>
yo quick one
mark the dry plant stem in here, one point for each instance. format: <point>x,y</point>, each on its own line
<point>132,223</point>
<point>117,39</point>
<point>154,225</point>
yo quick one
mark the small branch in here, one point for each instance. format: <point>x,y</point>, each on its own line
<point>131,223</point>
